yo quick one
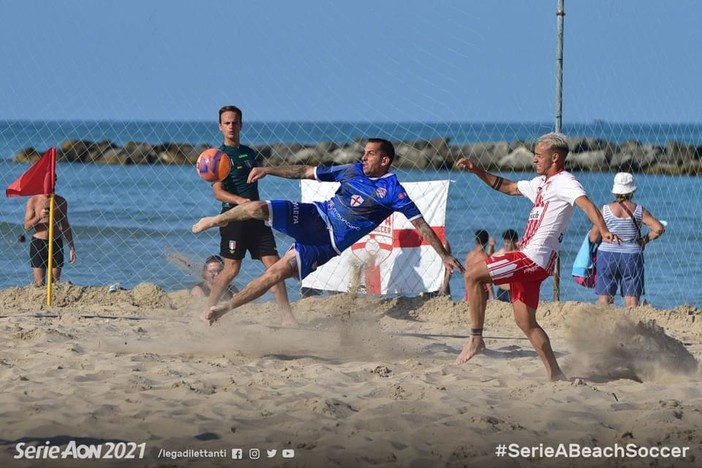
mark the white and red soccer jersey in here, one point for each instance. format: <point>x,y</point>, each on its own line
<point>554,200</point>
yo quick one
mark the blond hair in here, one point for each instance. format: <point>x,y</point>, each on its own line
<point>556,142</point>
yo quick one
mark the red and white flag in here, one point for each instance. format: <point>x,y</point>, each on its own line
<point>392,259</point>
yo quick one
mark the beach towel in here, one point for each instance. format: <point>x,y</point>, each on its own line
<point>585,264</point>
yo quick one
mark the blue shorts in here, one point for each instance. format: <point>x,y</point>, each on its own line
<point>619,269</point>
<point>302,222</point>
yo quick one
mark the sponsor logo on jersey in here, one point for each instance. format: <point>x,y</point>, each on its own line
<point>295,213</point>
<point>331,210</point>
<point>535,213</point>
<point>381,192</point>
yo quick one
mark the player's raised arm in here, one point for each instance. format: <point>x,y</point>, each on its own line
<point>428,233</point>
<point>286,172</point>
<point>595,216</point>
<point>495,182</point>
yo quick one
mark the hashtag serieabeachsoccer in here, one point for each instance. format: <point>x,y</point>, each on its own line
<point>579,451</point>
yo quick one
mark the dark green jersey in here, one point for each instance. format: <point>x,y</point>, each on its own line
<point>243,160</point>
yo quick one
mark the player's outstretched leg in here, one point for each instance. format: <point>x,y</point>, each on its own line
<point>207,222</point>
<point>279,271</point>
<point>247,210</point>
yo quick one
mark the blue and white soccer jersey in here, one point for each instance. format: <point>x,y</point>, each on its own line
<point>323,230</point>
<point>361,203</point>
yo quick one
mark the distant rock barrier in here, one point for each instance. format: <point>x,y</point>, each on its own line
<point>587,154</point>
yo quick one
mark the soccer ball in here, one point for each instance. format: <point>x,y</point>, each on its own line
<point>213,165</point>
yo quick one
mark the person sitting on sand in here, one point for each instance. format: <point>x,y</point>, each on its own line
<point>511,243</point>
<point>484,247</point>
<point>213,266</point>
<point>368,193</point>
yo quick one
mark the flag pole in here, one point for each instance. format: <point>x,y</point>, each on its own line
<point>50,266</point>
<point>40,179</point>
<point>560,14</point>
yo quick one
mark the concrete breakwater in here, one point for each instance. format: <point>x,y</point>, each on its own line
<point>589,154</point>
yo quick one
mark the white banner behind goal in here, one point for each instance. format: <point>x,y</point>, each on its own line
<point>393,258</point>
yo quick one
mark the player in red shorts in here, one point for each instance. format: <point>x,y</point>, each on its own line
<point>554,193</point>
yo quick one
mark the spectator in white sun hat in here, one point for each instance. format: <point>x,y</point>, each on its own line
<point>620,266</point>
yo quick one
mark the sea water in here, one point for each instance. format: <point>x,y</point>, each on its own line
<point>16,135</point>
<point>127,220</point>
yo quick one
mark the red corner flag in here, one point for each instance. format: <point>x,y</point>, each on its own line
<point>39,179</point>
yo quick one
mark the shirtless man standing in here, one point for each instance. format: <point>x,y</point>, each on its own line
<point>36,217</point>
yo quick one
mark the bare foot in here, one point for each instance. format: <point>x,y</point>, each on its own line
<point>475,345</point>
<point>215,312</point>
<point>289,321</point>
<point>206,223</point>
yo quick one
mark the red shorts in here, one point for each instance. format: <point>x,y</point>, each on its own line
<point>523,276</point>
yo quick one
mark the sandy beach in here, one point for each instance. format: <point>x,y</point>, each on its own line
<point>363,382</point>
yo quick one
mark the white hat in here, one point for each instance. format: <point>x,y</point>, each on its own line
<point>623,184</point>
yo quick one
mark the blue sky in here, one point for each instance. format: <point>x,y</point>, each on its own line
<point>360,60</point>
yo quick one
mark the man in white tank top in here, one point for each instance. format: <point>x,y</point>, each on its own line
<point>554,193</point>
